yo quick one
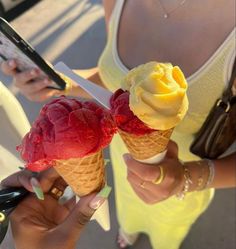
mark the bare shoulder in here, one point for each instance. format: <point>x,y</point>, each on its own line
<point>108,8</point>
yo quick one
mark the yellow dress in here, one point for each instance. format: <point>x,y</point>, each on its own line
<point>166,223</point>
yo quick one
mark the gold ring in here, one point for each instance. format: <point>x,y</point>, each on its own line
<point>2,217</point>
<point>142,184</point>
<point>56,193</point>
<point>160,178</point>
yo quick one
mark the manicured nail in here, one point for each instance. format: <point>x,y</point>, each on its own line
<point>34,72</point>
<point>106,161</point>
<point>46,82</point>
<point>11,63</point>
<point>105,192</point>
<point>37,188</point>
<point>99,199</point>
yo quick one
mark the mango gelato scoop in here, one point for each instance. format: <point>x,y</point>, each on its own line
<point>157,94</point>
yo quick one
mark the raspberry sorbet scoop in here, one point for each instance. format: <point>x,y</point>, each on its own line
<point>66,128</point>
<point>124,117</point>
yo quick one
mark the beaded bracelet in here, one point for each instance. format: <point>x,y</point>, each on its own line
<point>187,183</point>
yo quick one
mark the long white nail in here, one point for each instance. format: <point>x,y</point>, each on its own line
<point>99,199</point>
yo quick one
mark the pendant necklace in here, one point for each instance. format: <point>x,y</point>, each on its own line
<point>167,13</point>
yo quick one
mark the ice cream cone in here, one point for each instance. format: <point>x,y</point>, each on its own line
<point>84,175</point>
<point>146,146</point>
<point>151,102</point>
<point>70,135</point>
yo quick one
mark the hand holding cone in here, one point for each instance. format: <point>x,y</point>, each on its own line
<point>153,101</point>
<point>70,135</point>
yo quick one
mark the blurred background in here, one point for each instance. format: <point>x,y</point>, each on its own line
<point>10,9</point>
<point>73,31</point>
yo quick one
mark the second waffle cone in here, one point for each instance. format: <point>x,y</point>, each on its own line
<point>148,145</point>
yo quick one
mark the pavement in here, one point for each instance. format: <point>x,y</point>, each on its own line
<point>73,31</point>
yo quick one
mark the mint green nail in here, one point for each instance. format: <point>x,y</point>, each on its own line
<point>36,188</point>
<point>106,161</point>
<point>39,193</point>
<point>104,193</point>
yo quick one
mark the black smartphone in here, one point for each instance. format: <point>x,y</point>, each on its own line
<point>13,46</point>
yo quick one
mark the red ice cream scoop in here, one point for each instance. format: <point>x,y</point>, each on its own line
<point>66,128</point>
<point>124,117</point>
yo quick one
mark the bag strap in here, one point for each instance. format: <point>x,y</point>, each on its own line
<point>227,95</point>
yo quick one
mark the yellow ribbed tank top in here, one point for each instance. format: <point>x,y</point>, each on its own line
<point>168,222</point>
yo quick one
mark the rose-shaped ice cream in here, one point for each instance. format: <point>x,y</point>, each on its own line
<point>66,128</point>
<point>157,94</point>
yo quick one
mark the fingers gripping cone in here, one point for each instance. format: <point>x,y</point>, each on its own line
<point>70,135</point>
<point>102,215</point>
<point>84,176</point>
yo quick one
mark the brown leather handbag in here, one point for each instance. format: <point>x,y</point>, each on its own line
<point>218,132</point>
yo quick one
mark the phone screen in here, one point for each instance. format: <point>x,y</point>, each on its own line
<point>12,46</point>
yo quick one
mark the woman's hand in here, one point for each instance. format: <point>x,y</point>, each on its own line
<point>155,183</point>
<point>36,90</point>
<point>47,224</point>
<point>28,82</point>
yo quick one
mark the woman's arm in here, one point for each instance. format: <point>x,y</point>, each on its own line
<point>224,172</point>
<point>173,177</point>
<point>92,73</point>
<point>108,8</point>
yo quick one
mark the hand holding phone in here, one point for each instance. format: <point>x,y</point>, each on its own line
<point>31,73</point>
<point>29,84</point>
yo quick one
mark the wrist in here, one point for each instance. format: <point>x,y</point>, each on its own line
<point>186,182</point>
<point>202,174</point>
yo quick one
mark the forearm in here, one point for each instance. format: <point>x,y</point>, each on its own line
<point>224,173</point>
<point>90,74</point>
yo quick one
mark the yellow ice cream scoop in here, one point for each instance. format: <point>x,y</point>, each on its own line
<point>157,94</point>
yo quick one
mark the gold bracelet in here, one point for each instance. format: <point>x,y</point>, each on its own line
<point>187,182</point>
<point>207,174</point>
<point>203,176</point>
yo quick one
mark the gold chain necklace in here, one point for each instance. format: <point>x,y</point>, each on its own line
<point>167,13</point>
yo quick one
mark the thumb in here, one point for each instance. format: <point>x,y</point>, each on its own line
<point>172,150</point>
<point>80,215</point>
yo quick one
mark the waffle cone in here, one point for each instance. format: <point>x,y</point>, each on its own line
<point>84,175</point>
<point>148,145</point>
